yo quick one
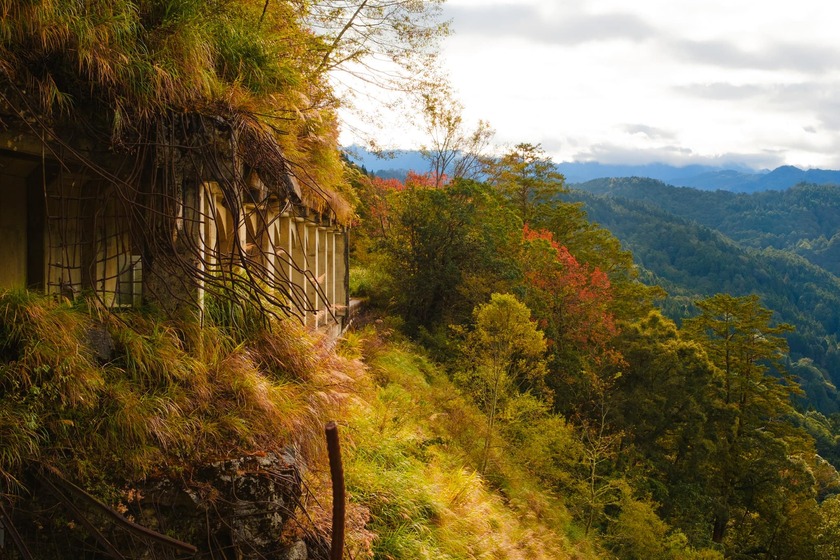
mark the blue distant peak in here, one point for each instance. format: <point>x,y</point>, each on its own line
<point>734,177</point>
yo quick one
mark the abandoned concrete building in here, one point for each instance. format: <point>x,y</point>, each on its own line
<point>196,218</point>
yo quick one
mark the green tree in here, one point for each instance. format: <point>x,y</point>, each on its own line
<point>828,532</point>
<point>601,485</point>
<point>638,533</point>
<point>539,439</point>
<point>663,402</point>
<point>738,336</point>
<point>527,178</point>
<point>664,394</point>
<point>447,249</point>
<point>507,348</point>
<point>756,467</point>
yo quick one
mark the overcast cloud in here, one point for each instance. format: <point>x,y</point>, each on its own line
<point>529,23</point>
<point>746,81</point>
<point>723,54</point>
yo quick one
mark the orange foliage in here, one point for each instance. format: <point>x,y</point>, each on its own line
<point>423,180</point>
<point>571,300</point>
<point>384,185</point>
<point>380,205</point>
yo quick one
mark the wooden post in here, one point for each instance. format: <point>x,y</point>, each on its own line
<point>337,475</point>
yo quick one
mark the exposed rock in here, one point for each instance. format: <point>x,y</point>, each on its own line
<point>297,551</point>
<point>236,508</point>
<point>101,343</point>
<point>242,503</point>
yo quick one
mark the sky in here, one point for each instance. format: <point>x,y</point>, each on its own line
<point>736,82</point>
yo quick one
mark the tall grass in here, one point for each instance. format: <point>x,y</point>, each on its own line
<point>122,66</point>
<point>168,397</point>
<point>412,464</point>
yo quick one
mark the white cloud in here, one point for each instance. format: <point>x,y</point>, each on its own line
<point>652,80</point>
<point>678,156</point>
<point>649,132</point>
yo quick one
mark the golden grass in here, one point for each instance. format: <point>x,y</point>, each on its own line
<point>170,396</point>
<point>144,61</point>
<point>411,463</point>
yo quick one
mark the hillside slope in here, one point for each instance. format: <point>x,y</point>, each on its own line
<point>804,219</point>
<point>412,466</point>
<point>678,236</point>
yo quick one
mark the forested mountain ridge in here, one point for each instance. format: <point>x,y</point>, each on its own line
<point>804,219</point>
<point>697,243</point>
<point>730,178</point>
<point>778,179</point>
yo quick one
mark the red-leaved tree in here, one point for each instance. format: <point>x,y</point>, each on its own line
<point>571,300</point>
<point>379,199</point>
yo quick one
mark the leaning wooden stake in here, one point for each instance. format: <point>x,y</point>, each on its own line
<point>130,526</point>
<point>337,474</point>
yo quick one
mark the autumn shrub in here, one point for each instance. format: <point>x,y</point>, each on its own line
<point>368,282</point>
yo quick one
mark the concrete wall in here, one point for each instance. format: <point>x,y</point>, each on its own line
<point>86,245</point>
<point>12,232</point>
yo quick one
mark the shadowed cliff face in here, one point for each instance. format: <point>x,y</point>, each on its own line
<point>237,508</point>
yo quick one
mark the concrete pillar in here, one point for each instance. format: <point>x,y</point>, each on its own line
<point>195,230</point>
<point>315,253</point>
<point>323,275</point>
<point>306,263</point>
<point>242,230</point>
<point>271,240</point>
<point>341,297</point>
<point>217,228</point>
<point>282,249</point>
<point>333,276</point>
<point>298,286</point>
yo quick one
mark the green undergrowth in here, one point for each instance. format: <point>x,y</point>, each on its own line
<point>112,398</point>
<point>416,445</point>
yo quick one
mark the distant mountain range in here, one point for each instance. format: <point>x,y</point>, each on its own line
<point>779,179</point>
<point>732,178</point>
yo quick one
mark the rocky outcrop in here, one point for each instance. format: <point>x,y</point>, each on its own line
<point>240,507</point>
<point>243,508</point>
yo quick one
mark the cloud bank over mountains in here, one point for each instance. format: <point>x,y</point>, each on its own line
<point>653,80</point>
